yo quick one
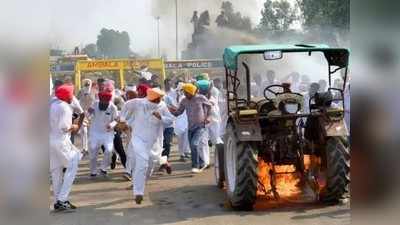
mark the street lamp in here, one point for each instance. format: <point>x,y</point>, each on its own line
<point>176,25</point>
<point>158,36</point>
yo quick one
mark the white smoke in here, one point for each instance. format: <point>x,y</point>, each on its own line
<point>166,10</point>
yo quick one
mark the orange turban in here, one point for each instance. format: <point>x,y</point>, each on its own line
<point>154,93</point>
<point>65,92</point>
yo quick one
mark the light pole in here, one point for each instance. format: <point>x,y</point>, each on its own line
<point>176,25</point>
<point>158,36</point>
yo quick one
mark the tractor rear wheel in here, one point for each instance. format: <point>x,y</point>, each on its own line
<point>219,165</point>
<point>240,172</point>
<point>337,171</point>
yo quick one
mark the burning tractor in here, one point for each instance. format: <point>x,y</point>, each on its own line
<point>274,123</point>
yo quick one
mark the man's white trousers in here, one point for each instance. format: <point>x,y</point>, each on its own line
<point>96,141</point>
<point>62,183</point>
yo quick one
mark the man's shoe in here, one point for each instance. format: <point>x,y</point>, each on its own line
<point>187,155</point>
<point>195,170</point>
<point>70,204</point>
<point>168,168</point>
<point>92,176</point>
<point>63,207</point>
<point>206,166</point>
<point>127,176</point>
<point>103,173</point>
<point>182,158</point>
<point>57,206</point>
<point>113,161</point>
<point>162,168</point>
<point>139,199</point>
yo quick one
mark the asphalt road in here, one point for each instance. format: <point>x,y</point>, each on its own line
<point>181,198</point>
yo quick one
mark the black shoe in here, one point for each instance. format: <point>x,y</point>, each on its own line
<point>57,206</point>
<point>187,155</point>
<point>182,158</point>
<point>139,199</point>
<point>127,176</point>
<point>103,173</point>
<point>168,168</point>
<point>162,168</point>
<point>70,205</point>
<point>63,207</point>
<point>113,161</point>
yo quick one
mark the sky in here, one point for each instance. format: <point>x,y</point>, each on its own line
<point>77,22</point>
<point>69,23</point>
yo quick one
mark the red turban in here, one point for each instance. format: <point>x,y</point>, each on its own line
<point>105,96</point>
<point>65,92</point>
<point>142,89</point>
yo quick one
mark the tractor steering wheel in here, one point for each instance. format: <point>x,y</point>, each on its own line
<point>268,89</point>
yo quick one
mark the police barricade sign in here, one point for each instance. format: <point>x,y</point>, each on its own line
<point>118,65</point>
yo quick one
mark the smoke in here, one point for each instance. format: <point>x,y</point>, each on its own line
<point>166,10</point>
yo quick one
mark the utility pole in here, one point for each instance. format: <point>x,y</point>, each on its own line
<point>176,25</point>
<point>158,36</point>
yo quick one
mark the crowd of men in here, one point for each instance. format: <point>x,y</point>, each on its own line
<point>150,117</point>
<point>194,111</point>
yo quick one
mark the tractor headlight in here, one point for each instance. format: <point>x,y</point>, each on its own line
<point>291,108</point>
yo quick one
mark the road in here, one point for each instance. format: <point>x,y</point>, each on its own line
<point>180,198</point>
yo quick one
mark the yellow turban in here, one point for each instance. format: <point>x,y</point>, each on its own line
<point>189,88</point>
<point>154,93</point>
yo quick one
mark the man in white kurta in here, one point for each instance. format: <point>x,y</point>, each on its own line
<point>63,154</point>
<point>86,98</point>
<point>101,133</point>
<point>151,116</point>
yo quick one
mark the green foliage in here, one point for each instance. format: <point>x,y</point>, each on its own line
<point>56,52</point>
<point>113,44</point>
<point>320,14</point>
<point>90,50</point>
<point>235,20</point>
<point>277,16</point>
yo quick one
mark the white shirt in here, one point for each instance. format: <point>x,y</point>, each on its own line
<point>60,120</point>
<point>146,126</point>
<point>101,119</point>
<point>76,106</point>
<point>170,100</point>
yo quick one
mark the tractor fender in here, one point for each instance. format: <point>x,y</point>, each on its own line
<point>249,130</point>
<point>336,129</point>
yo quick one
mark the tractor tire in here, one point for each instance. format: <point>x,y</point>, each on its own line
<point>337,171</point>
<point>240,172</point>
<point>219,170</point>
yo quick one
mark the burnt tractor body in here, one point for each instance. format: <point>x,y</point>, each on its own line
<point>282,126</point>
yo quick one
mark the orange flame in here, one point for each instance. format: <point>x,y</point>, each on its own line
<point>286,179</point>
<point>288,182</point>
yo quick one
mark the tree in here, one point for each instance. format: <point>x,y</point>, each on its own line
<point>90,50</point>
<point>328,13</point>
<point>326,19</point>
<point>113,44</point>
<point>231,19</point>
<point>277,16</point>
